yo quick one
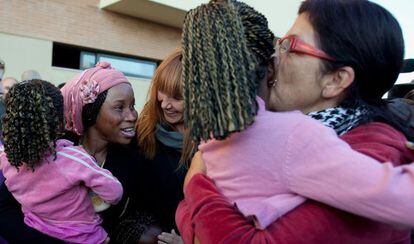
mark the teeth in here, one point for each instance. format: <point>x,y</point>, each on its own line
<point>128,129</point>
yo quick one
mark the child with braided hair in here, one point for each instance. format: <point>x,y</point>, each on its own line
<point>48,176</point>
<point>266,163</point>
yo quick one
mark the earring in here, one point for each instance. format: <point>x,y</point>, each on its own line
<point>271,83</point>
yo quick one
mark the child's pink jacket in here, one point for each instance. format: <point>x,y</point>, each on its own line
<point>54,197</point>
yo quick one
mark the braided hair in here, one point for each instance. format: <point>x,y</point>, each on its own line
<point>226,48</point>
<point>32,123</point>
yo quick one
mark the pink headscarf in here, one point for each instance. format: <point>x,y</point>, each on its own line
<point>84,89</point>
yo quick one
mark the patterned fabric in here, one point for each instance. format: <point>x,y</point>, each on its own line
<point>340,119</point>
<point>84,88</point>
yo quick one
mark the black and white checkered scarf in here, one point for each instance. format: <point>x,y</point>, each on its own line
<point>340,119</point>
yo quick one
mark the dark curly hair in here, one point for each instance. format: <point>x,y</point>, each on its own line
<point>33,122</point>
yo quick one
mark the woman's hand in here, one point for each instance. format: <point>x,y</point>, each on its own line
<point>169,238</point>
<point>197,166</point>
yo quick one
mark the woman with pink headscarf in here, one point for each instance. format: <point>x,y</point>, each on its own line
<point>99,118</point>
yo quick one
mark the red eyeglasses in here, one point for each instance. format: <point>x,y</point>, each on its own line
<point>296,45</point>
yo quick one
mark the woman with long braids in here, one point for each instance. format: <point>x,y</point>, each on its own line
<point>262,161</point>
<point>51,177</point>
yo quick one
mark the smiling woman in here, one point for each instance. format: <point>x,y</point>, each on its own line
<point>172,110</point>
<point>100,117</point>
<point>113,122</point>
<point>160,133</point>
<point>99,108</point>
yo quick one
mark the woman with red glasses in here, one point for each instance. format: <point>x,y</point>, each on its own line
<point>309,79</point>
<point>293,43</point>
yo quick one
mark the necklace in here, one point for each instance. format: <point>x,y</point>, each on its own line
<point>99,205</point>
<point>103,163</point>
<point>93,156</point>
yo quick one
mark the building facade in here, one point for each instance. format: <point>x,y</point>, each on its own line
<point>59,38</point>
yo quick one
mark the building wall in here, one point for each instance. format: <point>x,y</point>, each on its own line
<point>81,22</point>
<point>29,27</point>
<point>280,13</point>
<point>23,53</point>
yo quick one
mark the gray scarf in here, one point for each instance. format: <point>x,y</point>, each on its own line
<point>169,138</point>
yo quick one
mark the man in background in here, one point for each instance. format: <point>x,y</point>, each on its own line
<point>2,67</point>
<point>401,98</point>
<point>402,89</point>
<point>6,84</point>
<point>30,75</point>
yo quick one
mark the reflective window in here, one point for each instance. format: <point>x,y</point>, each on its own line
<point>87,60</point>
<point>130,66</point>
<point>73,57</point>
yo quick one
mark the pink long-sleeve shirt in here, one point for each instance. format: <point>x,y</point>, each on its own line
<point>268,169</point>
<point>54,197</point>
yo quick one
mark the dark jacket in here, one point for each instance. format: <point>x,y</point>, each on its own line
<point>403,110</point>
<point>160,185</point>
<point>123,163</point>
<point>12,227</point>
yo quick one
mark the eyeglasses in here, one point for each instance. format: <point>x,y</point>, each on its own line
<point>295,45</point>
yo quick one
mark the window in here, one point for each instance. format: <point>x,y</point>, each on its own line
<point>87,60</point>
<point>68,56</point>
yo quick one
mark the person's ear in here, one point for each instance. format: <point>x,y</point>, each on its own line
<point>336,83</point>
<point>272,71</point>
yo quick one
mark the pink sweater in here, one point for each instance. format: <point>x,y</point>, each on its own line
<point>54,197</point>
<point>264,168</point>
